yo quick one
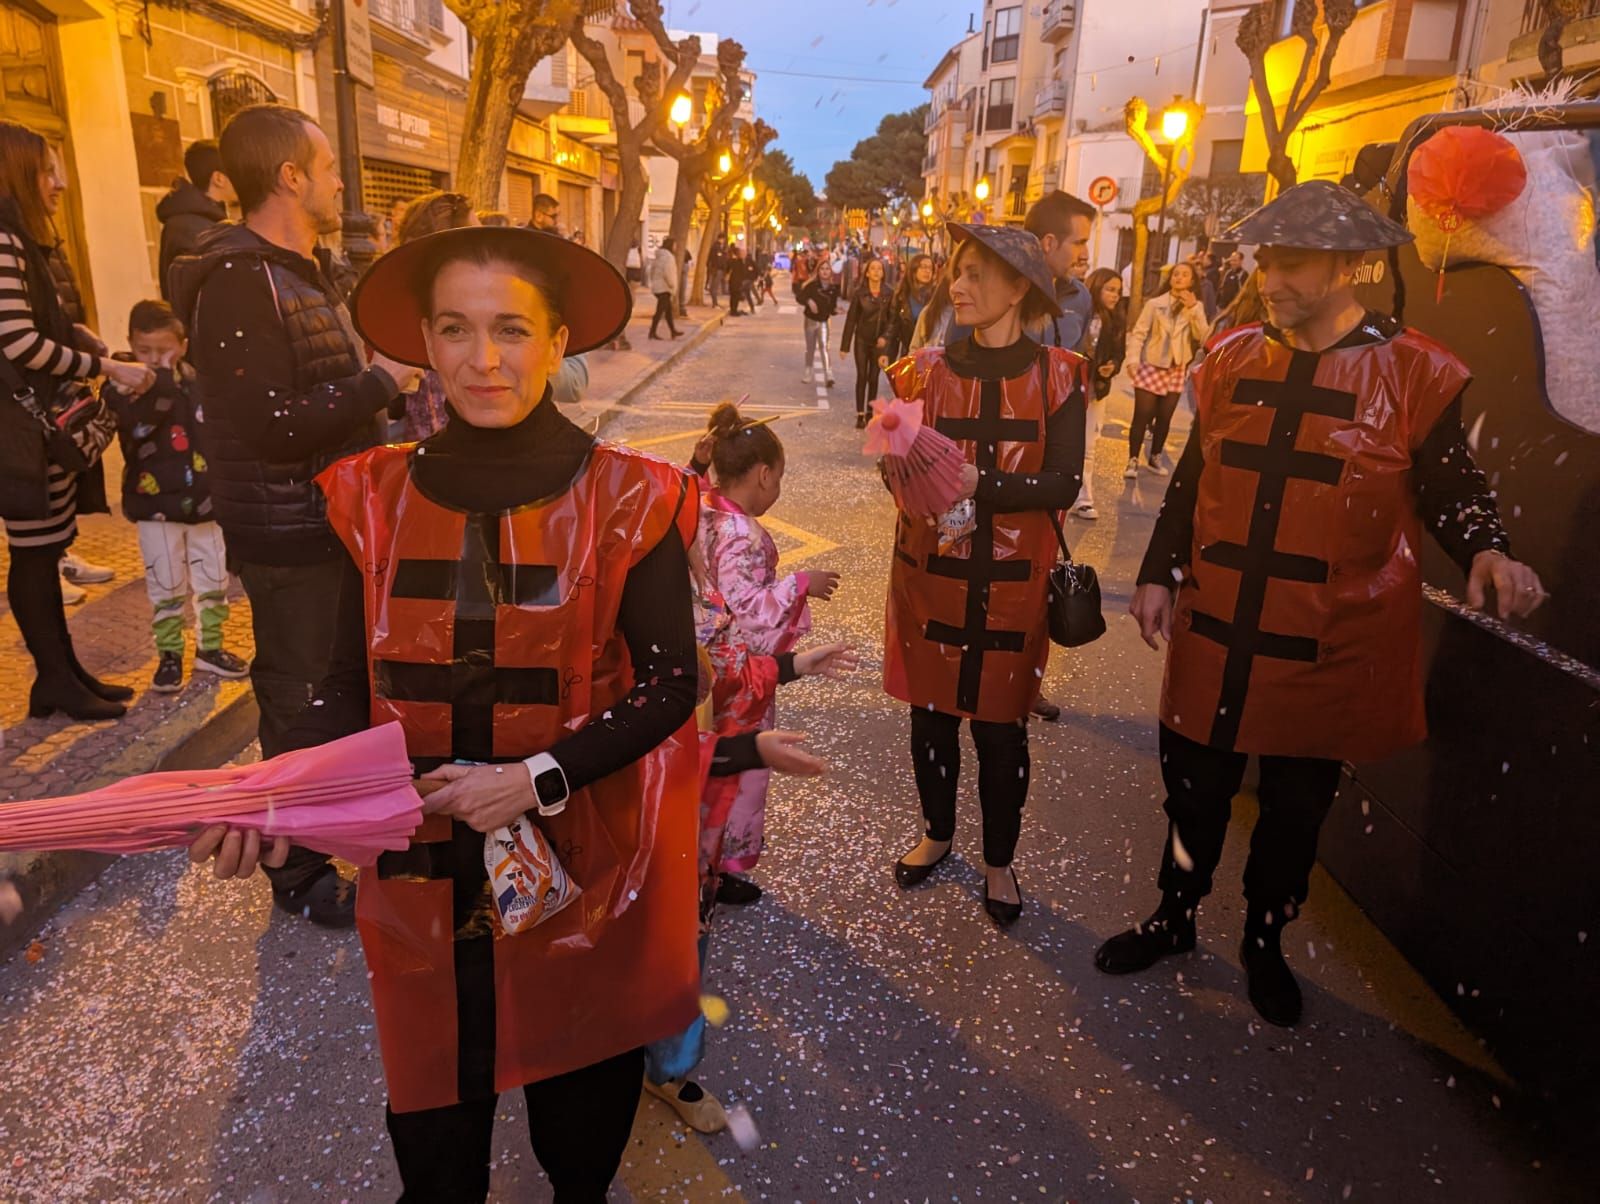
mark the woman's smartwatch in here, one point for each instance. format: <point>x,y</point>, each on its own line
<point>549,784</point>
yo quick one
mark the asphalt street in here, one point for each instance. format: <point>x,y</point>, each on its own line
<point>172,1038</point>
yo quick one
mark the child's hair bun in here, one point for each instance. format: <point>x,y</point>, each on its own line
<point>725,421</point>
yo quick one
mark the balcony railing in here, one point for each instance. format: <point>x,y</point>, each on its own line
<point>1538,14</point>
<point>1059,18</point>
<point>412,17</point>
<point>1051,99</point>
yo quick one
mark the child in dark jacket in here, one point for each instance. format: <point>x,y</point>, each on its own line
<point>164,492</point>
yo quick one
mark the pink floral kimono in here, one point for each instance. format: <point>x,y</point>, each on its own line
<point>771,611</point>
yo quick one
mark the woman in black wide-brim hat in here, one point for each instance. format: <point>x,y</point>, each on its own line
<point>518,600</point>
<point>966,635</point>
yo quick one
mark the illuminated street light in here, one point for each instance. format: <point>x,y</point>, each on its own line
<point>724,163</point>
<point>981,191</point>
<point>927,209</point>
<point>748,192</point>
<point>1175,121</point>
<point>682,109</point>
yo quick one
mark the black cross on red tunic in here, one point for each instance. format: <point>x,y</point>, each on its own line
<point>471,683</point>
<point>478,583</point>
<point>1257,560</point>
<point>975,637</point>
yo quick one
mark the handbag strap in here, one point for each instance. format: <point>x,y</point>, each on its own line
<point>1044,388</point>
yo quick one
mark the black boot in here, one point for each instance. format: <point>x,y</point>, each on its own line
<point>34,590</point>
<point>100,689</point>
<point>1170,930</point>
<point>1273,989</point>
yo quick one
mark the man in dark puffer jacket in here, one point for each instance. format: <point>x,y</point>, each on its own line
<point>284,391</point>
<point>193,207</point>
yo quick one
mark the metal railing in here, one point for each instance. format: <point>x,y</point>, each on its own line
<point>1050,98</point>
<point>1059,15</point>
<point>413,17</point>
<point>1539,14</point>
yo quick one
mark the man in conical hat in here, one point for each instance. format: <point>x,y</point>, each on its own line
<point>1283,570</point>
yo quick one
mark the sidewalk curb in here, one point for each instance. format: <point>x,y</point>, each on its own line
<point>46,881</point>
<point>650,374</point>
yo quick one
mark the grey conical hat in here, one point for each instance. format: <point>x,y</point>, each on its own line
<point>1318,215</point>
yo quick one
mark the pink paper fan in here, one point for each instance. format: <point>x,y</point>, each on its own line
<point>922,466</point>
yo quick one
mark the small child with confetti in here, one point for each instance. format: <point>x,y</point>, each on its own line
<point>772,611</point>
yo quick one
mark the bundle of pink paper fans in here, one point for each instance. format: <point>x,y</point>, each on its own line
<point>351,799</point>
<point>922,466</point>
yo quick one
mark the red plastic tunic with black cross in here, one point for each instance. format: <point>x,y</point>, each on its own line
<point>496,635</point>
<point>966,633</point>
<point>1296,630</point>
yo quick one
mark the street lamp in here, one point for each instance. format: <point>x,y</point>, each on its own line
<point>981,191</point>
<point>748,192</point>
<point>724,163</point>
<point>1175,128</point>
<point>682,109</point>
<point>927,210</point>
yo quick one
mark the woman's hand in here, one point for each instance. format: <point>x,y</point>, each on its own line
<point>781,752</point>
<point>969,482</point>
<point>1517,588</point>
<point>703,448</point>
<point>829,660</point>
<point>1152,607</point>
<point>883,361</point>
<point>130,377</point>
<point>237,851</point>
<point>484,797</point>
<point>821,585</point>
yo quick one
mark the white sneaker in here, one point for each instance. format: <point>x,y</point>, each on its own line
<point>1131,473</point>
<point>80,572</point>
<point>1159,465</point>
<point>1086,511</point>
<point>805,377</point>
<point>71,595</point>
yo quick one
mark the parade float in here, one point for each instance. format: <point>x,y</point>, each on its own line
<point>1475,852</point>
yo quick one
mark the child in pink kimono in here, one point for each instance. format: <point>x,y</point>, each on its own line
<point>771,611</point>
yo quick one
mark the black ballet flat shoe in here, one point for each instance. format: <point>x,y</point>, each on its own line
<point>1143,945</point>
<point>737,892</point>
<point>1001,912</point>
<point>103,689</point>
<point>861,422</point>
<point>907,875</point>
<point>1273,989</point>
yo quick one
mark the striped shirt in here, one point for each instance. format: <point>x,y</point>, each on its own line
<point>29,348</point>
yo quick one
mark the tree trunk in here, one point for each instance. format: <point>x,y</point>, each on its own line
<point>1281,168</point>
<point>625,225</point>
<point>709,237</point>
<point>493,94</point>
<point>683,198</point>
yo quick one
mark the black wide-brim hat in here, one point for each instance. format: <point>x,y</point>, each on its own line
<point>1017,248</point>
<point>1318,215</point>
<point>390,303</point>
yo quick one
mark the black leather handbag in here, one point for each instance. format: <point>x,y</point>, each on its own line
<point>1074,601</point>
<point>24,461</point>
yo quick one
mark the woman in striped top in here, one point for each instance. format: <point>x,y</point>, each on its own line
<point>45,346</point>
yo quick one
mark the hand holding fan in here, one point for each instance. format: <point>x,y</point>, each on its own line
<point>922,467</point>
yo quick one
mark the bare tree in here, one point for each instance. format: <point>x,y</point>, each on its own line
<point>509,38</point>
<point>1255,38</point>
<point>696,159</point>
<point>633,137</point>
<point>719,193</point>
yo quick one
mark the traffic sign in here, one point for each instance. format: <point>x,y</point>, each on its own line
<point>1103,190</point>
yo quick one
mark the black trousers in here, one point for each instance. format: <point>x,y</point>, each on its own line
<point>867,373</point>
<point>579,1122</point>
<point>1003,768</point>
<point>1295,794</point>
<point>293,611</point>
<point>735,295</point>
<point>663,311</point>
<point>1153,411</point>
<point>33,590</point>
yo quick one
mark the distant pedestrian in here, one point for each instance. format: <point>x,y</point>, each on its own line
<point>47,352</point>
<point>1104,343</point>
<point>1233,279</point>
<point>546,213</point>
<point>664,284</point>
<point>819,301</point>
<point>911,297</point>
<point>167,495</point>
<point>634,264</point>
<point>1246,307</point>
<point>738,280</point>
<point>192,207</point>
<point>1170,331</point>
<point>869,325</point>
<point>717,271</point>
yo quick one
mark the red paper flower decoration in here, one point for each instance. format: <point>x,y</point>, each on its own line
<point>1466,171</point>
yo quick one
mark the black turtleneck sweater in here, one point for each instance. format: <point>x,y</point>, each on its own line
<point>480,470</point>
<point>1056,484</point>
